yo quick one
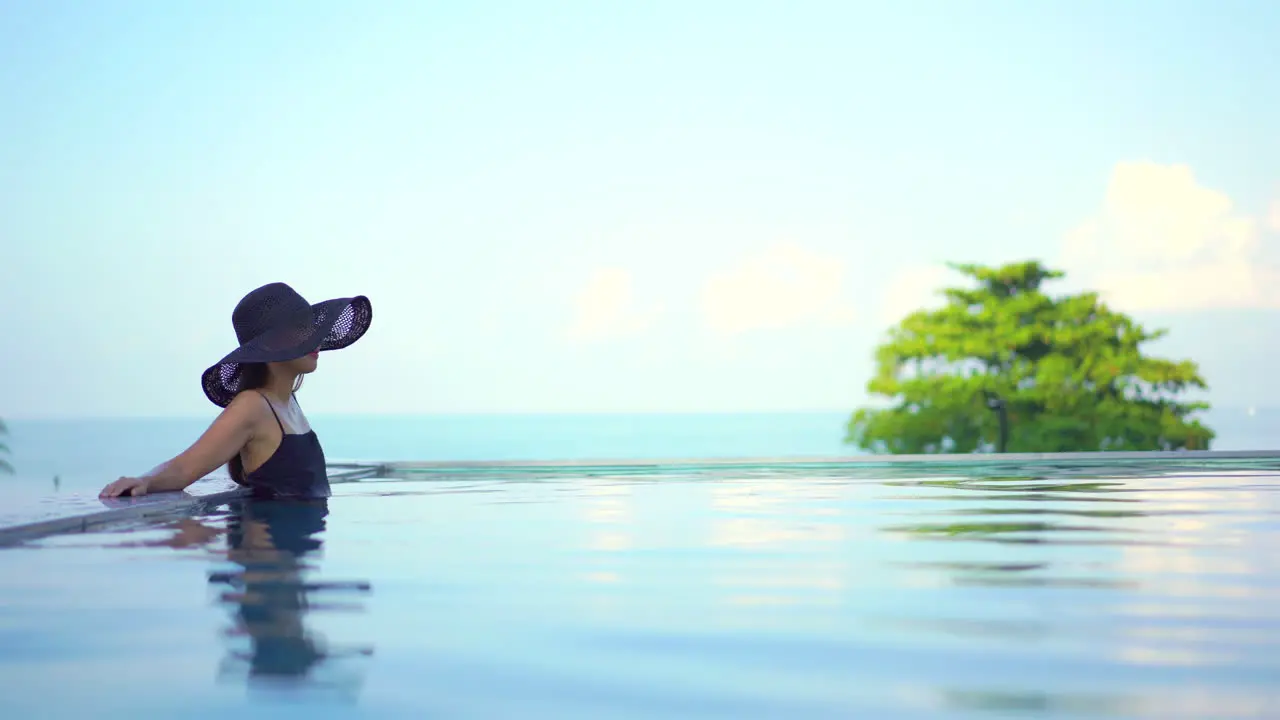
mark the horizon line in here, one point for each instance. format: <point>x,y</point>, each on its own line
<point>514,413</point>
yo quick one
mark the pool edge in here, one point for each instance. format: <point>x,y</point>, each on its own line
<point>217,490</point>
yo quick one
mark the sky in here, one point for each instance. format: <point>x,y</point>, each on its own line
<point>617,207</point>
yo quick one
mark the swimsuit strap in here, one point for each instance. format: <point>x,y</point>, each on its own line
<point>273,411</point>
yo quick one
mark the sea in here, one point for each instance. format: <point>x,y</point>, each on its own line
<point>59,456</point>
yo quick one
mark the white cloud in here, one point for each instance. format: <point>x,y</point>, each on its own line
<point>1163,241</point>
<point>782,286</point>
<point>606,308</point>
<point>913,289</point>
<point>1273,218</point>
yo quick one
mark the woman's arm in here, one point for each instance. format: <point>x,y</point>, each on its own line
<point>229,433</point>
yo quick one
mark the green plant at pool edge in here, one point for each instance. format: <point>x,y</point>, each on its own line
<point>5,467</point>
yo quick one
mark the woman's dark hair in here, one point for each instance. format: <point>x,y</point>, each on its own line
<point>253,376</point>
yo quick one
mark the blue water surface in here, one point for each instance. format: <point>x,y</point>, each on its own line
<point>961,591</point>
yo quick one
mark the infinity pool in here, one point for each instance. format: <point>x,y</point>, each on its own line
<point>769,592</point>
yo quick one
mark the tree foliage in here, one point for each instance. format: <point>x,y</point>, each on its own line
<point>1070,370</point>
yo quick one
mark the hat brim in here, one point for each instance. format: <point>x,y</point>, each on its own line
<point>336,324</point>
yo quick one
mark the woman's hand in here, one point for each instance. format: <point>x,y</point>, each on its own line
<point>125,486</point>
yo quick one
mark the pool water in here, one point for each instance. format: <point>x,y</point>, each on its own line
<point>773,592</point>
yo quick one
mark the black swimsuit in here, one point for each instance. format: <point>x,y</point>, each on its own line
<point>296,470</point>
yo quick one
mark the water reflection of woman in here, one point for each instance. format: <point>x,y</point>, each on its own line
<point>269,539</point>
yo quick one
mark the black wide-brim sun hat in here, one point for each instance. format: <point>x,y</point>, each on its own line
<point>275,324</point>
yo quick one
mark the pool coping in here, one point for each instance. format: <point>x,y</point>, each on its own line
<point>214,490</point>
<point>208,491</point>
<point>1190,456</point>
<point>121,510</point>
<point>420,469</point>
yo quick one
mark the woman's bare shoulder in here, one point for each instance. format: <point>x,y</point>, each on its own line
<point>247,406</point>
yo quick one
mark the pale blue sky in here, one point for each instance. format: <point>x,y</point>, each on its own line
<point>475,168</point>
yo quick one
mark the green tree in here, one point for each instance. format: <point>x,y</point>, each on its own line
<point>5,467</point>
<point>1069,370</point>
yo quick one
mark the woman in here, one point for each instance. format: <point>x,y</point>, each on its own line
<point>261,434</point>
